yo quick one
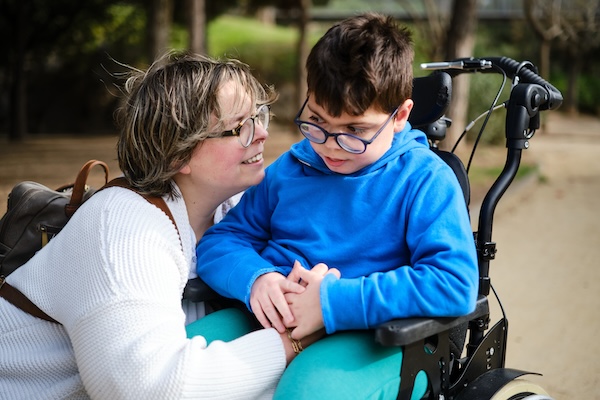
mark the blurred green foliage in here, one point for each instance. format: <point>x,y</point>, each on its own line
<point>271,52</point>
<point>71,85</point>
<point>269,49</point>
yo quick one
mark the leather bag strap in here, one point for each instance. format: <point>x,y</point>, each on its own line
<point>19,300</point>
<point>156,200</point>
<point>80,183</point>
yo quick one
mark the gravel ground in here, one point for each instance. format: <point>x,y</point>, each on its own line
<point>548,238</point>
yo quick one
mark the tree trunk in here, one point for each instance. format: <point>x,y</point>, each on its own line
<point>197,25</point>
<point>17,125</point>
<point>460,43</point>
<point>544,18</point>
<point>545,47</point>
<point>160,15</point>
<point>302,50</point>
<point>571,101</point>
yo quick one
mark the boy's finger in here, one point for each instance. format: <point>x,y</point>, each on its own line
<point>274,313</point>
<point>294,287</point>
<point>320,269</point>
<point>308,276</point>
<point>283,311</point>
<point>294,275</point>
<point>275,319</point>
<point>335,272</point>
<point>260,315</point>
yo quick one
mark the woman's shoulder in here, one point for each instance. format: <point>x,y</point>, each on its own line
<point>123,209</point>
<point>111,199</point>
<point>122,221</point>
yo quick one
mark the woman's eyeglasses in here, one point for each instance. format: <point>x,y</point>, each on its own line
<point>245,129</point>
<point>347,141</point>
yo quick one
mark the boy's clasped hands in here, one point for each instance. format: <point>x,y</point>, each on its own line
<point>291,302</point>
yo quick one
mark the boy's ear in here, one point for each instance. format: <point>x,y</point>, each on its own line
<point>402,115</point>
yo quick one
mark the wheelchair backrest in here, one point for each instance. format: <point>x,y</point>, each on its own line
<point>432,95</point>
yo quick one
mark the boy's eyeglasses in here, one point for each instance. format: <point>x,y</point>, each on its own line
<point>245,129</point>
<point>347,141</point>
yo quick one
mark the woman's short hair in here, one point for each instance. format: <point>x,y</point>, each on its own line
<point>166,111</point>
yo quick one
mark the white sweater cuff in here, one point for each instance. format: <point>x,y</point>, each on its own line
<point>246,368</point>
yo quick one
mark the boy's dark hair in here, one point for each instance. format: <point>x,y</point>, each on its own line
<point>360,62</point>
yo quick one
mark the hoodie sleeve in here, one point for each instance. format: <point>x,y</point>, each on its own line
<point>228,254</point>
<point>441,279</point>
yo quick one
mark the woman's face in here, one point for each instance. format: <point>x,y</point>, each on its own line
<point>222,165</point>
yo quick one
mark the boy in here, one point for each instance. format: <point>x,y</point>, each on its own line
<point>362,194</point>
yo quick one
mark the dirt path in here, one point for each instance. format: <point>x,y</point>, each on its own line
<point>546,269</point>
<point>55,160</point>
<point>547,232</point>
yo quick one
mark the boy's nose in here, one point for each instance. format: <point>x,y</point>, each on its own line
<point>331,143</point>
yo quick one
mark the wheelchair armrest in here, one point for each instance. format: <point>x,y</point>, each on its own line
<point>196,290</point>
<point>402,332</point>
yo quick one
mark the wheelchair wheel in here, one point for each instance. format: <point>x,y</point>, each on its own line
<point>521,389</point>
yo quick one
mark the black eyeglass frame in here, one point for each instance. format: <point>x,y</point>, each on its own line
<point>238,129</point>
<point>365,142</point>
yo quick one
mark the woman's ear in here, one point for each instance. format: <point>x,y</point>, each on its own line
<point>185,169</point>
<point>402,115</point>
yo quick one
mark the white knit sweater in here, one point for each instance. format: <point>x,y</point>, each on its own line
<point>114,278</point>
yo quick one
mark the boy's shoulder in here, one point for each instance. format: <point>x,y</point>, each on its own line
<point>294,157</point>
<point>425,162</point>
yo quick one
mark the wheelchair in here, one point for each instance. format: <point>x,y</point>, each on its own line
<point>457,368</point>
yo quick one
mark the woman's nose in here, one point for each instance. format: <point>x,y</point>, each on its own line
<point>260,133</point>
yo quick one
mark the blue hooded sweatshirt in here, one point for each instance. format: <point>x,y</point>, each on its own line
<point>398,230</point>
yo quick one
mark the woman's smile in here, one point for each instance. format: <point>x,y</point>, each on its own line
<point>255,159</point>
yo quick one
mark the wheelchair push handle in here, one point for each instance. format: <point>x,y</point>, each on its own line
<point>530,94</point>
<point>526,72</point>
<point>520,72</point>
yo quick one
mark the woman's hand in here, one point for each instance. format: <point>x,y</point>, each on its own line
<point>306,306</point>
<point>268,302</point>
<point>306,341</point>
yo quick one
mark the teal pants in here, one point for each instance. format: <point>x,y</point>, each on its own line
<point>346,365</point>
<point>225,325</point>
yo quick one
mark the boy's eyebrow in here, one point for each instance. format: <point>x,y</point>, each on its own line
<point>313,111</point>
<point>352,123</point>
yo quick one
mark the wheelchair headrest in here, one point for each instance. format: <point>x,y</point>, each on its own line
<point>431,94</point>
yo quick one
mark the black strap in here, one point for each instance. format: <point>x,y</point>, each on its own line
<point>19,300</point>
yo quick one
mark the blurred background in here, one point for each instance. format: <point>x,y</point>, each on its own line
<point>61,58</point>
<point>59,84</point>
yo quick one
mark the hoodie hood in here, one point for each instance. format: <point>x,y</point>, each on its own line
<point>403,141</point>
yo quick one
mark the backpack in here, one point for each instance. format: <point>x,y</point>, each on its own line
<point>36,213</point>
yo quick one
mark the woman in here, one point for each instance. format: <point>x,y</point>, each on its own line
<point>192,130</point>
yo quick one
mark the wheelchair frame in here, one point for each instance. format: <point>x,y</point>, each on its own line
<point>426,341</point>
<point>481,373</point>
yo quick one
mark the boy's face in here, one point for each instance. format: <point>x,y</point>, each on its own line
<point>365,126</point>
